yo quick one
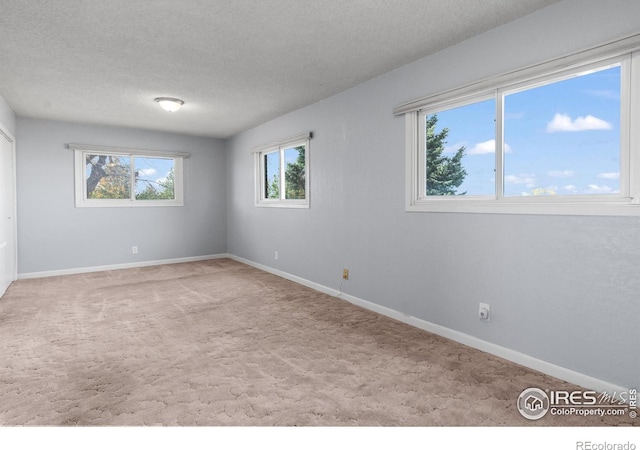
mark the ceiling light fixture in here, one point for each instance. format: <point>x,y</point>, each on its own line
<point>170,104</point>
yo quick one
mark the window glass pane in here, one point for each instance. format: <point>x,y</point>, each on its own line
<point>154,178</point>
<point>108,176</point>
<point>461,150</point>
<point>294,174</point>
<point>564,137</point>
<point>272,175</point>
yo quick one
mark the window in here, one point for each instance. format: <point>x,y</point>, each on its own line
<point>453,166</point>
<point>108,177</point>
<point>562,137</point>
<point>553,139</point>
<point>282,173</point>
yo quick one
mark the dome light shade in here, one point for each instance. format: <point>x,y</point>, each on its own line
<point>170,104</point>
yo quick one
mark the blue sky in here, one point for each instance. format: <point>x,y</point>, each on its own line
<point>561,138</point>
<point>153,170</point>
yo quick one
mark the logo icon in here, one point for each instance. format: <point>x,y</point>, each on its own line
<point>533,403</point>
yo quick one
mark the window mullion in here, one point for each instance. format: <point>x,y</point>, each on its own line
<point>630,135</point>
<point>499,130</point>
<point>81,181</point>
<point>264,182</point>
<point>132,177</point>
<point>419,185</point>
<point>258,175</point>
<point>282,180</point>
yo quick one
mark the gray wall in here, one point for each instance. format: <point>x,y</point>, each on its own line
<point>562,289</point>
<point>54,235</point>
<point>7,117</point>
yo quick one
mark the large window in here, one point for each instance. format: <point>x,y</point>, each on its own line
<point>282,170</point>
<point>107,176</point>
<point>554,139</point>
<point>564,135</point>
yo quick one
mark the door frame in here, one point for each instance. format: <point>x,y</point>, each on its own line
<point>4,134</point>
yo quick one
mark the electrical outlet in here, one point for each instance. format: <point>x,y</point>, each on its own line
<point>484,312</point>
<point>275,256</point>
<point>134,249</point>
<point>345,274</point>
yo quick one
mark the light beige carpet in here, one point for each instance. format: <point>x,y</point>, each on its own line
<point>221,343</point>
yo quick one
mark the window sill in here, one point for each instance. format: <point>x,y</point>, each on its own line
<point>283,204</point>
<point>106,203</point>
<point>568,207</point>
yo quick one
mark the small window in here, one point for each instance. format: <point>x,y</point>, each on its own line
<point>459,150</point>
<point>282,174</point>
<point>107,177</point>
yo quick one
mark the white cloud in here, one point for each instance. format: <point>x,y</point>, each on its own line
<point>146,172</point>
<point>551,190</point>
<point>562,122</point>
<point>561,173</point>
<point>528,179</point>
<point>486,147</point>
<point>609,175</point>
<point>607,94</point>
<point>595,189</point>
<point>454,148</point>
<point>483,148</point>
<point>570,188</point>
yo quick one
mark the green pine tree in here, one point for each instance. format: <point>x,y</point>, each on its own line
<point>294,177</point>
<point>444,173</point>
<point>273,187</point>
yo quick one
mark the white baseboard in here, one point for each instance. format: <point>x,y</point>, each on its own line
<point>288,276</point>
<point>571,376</point>
<point>55,273</point>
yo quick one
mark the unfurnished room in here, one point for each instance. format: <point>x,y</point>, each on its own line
<point>354,214</point>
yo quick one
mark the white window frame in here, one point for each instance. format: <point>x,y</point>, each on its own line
<point>81,200</point>
<point>626,52</point>
<point>259,172</point>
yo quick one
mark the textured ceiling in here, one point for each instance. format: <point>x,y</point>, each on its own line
<point>235,63</point>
